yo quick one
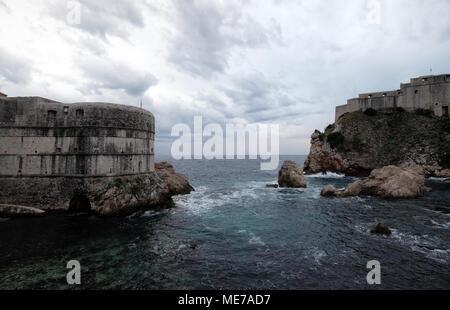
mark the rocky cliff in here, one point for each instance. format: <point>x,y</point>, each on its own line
<point>360,142</point>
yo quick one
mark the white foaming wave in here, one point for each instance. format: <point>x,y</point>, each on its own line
<point>439,179</point>
<point>316,253</point>
<point>150,213</point>
<point>203,200</point>
<point>422,244</point>
<point>253,239</point>
<point>440,225</point>
<point>329,175</point>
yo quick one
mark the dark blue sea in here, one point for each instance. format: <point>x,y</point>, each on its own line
<point>234,233</point>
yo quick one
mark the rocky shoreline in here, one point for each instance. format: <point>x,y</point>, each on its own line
<point>105,196</point>
<point>388,182</point>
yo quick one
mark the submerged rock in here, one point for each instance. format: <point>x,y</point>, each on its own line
<point>291,175</point>
<point>387,182</point>
<point>272,185</point>
<point>381,229</point>
<point>8,211</point>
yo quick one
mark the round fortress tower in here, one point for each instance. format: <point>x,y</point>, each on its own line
<point>77,157</point>
<point>42,138</point>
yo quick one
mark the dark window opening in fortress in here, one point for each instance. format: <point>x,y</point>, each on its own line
<point>80,204</point>
<point>416,91</point>
<point>80,113</point>
<point>445,111</point>
<point>51,114</point>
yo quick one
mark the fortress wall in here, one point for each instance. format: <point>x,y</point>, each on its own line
<point>427,92</point>
<point>351,106</point>
<point>364,103</point>
<point>41,137</point>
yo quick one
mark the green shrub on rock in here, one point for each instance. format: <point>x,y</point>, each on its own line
<point>424,112</point>
<point>336,140</point>
<point>371,112</point>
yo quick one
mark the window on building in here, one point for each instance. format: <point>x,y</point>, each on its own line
<point>416,91</point>
<point>51,114</point>
<point>80,113</point>
<point>66,110</point>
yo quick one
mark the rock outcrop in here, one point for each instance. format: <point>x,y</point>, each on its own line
<point>106,196</point>
<point>7,211</point>
<point>358,143</point>
<point>388,182</point>
<point>149,191</point>
<point>329,191</point>
<point>381,229</point>
<point>291,175</point>
<point>177,182</point>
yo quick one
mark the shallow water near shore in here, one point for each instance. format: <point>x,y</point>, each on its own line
<point>234,233</point>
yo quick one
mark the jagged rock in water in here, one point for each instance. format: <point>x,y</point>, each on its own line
<point>358,143</point>
<point>443,173</point>
<point>145,192</point>
<point>329,191</point>
<point>8,211</point>
<point>291,175</point>
<point>177,182</point>
<point>381,229</point>
<point>272,186</point>
<point>388,182</point>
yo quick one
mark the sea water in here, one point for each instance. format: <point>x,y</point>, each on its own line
<point>234,233</point>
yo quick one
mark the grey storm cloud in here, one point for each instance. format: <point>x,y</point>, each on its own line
<point>13,68</point>
<point>105,74</point>
<point>207,31</point>
<point>265,99</point>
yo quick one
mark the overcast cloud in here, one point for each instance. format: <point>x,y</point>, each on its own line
<point>274,61</point>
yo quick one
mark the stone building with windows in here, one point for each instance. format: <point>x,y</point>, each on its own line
<point>56,156</point>
<point>426,92</point>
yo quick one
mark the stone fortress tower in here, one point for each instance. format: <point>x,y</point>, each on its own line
<point>426,92</point>
<point>56,156</point>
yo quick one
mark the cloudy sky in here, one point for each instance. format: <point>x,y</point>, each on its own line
<point>286,62</point>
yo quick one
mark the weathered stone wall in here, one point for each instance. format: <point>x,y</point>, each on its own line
<point>40,137</point>
<point>427,92</point>
<point>51,152</point>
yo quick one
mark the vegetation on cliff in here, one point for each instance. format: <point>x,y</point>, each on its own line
<point>360,142</point>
